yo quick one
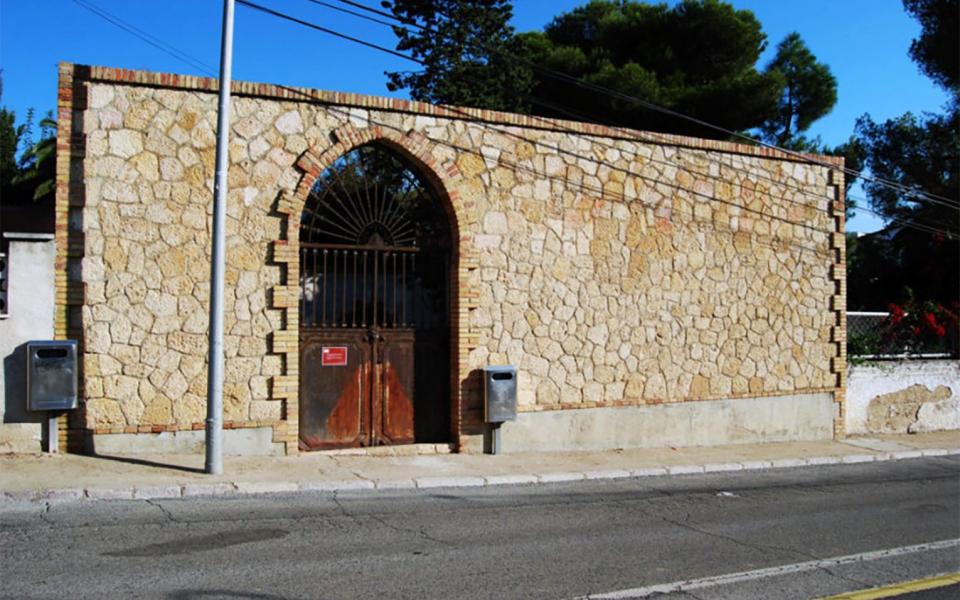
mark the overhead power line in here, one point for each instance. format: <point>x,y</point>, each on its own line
<point>918,195</point>
<point>171,50</point>
<point>343,36</point>
<point>180,55</point>
<point>801,157</point>
<point>147,38</point>
<point>638,136</point>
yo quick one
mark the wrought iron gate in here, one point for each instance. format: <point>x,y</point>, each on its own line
<point>373,305</point>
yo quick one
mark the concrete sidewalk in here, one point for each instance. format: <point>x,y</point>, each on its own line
<point>53,478</point>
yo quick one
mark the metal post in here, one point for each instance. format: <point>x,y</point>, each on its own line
<point>495,440</point>
<point>53,433</point>
<point>491,438</point>
<point>214,431</point>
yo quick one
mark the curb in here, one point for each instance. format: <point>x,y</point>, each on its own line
<point>193,490</point>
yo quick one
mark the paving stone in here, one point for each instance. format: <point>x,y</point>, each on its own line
<point>684,469</point>
<point>510,479</point>
<point>756,465</point>
<point>110,493</point>
<point>720,467</point>
<point>824,460</point>
<point>208,489</point>
<point>151,492</point>
<point>558,477</point>
<point>858,458</point>
<point>607,474</point>
<point>435,482</point>
<point>336,485</point>
<point>782,463</point>
<point>265,487</point>
<point>64,495</point>
<point>649,472</point>
<point>395,484</point>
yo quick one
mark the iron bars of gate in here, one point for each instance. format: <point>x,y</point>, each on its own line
<point>357,286</point>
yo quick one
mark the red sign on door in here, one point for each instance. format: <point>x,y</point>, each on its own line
<point>333,356</point>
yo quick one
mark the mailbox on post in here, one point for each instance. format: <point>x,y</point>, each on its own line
<point>52,381</point>
<point>499,401</point>
<point>499,394</point>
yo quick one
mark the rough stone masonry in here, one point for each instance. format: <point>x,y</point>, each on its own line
<point>619,270</point>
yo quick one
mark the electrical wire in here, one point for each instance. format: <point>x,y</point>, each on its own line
<point>801,157</point>
<point>598,191</point>
<point>924,196</point>
<point>190,60</point>
<point>933,198</point>
<point>638,136</point>
<point>147,38</point>
<point>343,36</point>
<point>354,13</point>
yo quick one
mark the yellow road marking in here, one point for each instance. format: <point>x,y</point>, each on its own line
<point>898,589</point>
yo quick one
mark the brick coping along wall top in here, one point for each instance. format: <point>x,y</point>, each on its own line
<point>72,195</point>
<point>302,94</point>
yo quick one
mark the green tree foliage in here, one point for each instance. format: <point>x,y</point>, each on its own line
<point>920,154</point>
<point>32,176</point>
<point>917,153</point>
<point>11,136</point>
<point>935,51</point>
<point>465,48</point>
<point>697,58</point>
<point>809,92</point>
<point>37,166</point>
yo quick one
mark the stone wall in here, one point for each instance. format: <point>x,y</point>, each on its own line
<point>613,267</point>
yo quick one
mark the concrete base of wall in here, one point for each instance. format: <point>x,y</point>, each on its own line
<point>256,441</point>
<point>21,438</point>
<point>708,423</point>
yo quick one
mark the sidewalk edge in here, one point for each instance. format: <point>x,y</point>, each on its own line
<point>191,490</point>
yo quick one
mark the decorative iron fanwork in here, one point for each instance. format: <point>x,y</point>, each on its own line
<point>368,197</point>
<point>373,246</point>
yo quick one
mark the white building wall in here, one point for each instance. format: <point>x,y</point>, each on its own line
<point>29,316</point>
<point>908,396</point>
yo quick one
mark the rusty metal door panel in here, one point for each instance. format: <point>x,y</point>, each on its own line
<point>395,388</point>
<point>334,400</point>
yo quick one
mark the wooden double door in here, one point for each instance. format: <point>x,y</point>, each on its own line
<point>357,387</point>
<point>373,347</point>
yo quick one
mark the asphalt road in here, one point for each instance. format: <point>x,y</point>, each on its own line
<point>788,533</point>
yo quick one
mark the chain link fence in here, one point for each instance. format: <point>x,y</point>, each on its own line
<point>900,335</point>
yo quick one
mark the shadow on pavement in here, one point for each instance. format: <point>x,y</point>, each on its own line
<point>148,463</point>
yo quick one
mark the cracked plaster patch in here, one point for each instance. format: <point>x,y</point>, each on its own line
<point>912,409</point>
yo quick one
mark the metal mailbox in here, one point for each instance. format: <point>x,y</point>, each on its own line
<point>500,393</point>
<point>52,375</point>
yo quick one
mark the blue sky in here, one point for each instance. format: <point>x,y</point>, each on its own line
<point>864,42</point>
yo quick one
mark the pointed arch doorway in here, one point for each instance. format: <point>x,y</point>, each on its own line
<point>375,257</point>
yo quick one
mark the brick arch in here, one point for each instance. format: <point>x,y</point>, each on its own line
<point>444,178</point>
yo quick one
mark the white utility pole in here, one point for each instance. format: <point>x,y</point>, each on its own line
<point>214,431</point>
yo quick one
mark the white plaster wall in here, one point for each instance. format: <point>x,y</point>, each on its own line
<point>30,294</point>
<point>867,381</point>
